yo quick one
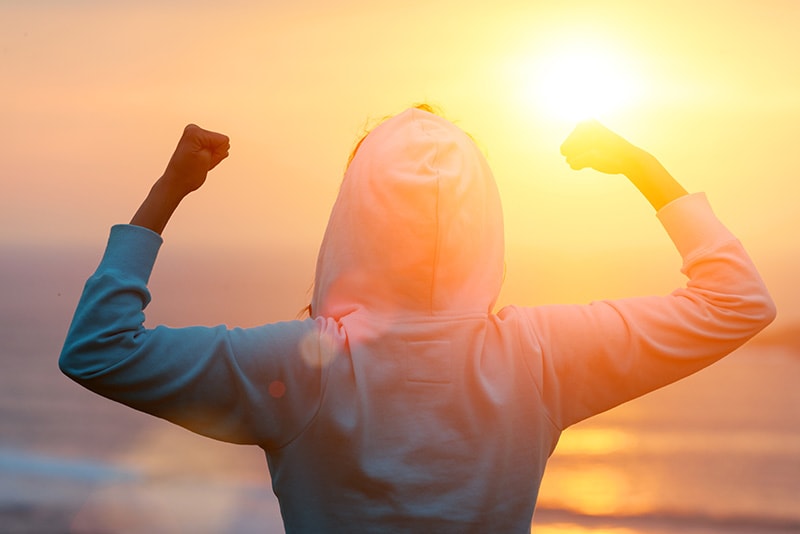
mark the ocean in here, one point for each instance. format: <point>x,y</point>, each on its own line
<point>717,452</point>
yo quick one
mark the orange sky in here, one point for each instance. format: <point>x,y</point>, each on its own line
<point>94,95</point>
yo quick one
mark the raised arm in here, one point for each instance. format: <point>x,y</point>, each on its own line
<point>216,381</point>
<point>198,152</point>
<point>589,358</point>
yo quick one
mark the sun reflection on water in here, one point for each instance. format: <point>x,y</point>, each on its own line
<point>586,484</point>
<point>566,528</point>
<point>589,441</point>
<point>591,490</point>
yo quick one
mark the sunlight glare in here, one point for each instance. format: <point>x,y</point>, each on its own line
<point>581,80</point>
<point>594,441</point>
<point>569,528</point>
<point>587,489</point>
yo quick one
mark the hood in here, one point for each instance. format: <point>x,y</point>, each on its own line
<point>417,227</point>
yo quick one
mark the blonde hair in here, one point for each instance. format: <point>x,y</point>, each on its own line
<point>367,129</point>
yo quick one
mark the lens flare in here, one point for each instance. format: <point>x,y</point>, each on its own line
<point>581,80</point>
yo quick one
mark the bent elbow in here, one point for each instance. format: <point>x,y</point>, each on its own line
<point>768,311</point>
<point>756,313</point>
<point>71,364</point>
<point>734,319</point>
<point>84,361</point>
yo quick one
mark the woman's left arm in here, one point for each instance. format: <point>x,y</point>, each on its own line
<point>215,381</point>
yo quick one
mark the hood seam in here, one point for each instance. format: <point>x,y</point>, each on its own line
<point>437,241</point>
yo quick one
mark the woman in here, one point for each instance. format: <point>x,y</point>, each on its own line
<point>404,403</point>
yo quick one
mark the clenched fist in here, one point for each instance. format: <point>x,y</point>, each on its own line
<point>198,152</point>
<point>593,145</point>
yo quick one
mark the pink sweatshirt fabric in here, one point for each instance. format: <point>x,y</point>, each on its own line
<point>407,403</point>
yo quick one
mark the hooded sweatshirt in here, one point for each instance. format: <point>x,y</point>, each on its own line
<point>405,403</point>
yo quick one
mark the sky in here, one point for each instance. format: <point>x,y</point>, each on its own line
<point>95,94</point>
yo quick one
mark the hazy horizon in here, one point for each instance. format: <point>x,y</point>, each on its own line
<point>96,94</point>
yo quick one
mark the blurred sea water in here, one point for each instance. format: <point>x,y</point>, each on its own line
<point>717,452</point>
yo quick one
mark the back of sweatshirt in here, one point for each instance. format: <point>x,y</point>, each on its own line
<point>405,404</point>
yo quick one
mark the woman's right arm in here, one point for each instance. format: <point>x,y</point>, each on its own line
<point>589,358</point>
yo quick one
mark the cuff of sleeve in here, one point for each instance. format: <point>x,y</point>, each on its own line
<point>132,249</point>
<point>692,225</point>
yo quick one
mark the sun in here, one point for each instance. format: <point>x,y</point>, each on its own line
<point>580,80</point>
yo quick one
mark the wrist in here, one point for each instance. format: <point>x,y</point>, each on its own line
<point>159,205</point>
<point>169,189</point>
<point>641,165</point>
<point>654,181</point>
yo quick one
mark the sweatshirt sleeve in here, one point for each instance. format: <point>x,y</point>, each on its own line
<point>589,358</point>
<point>256,385</point>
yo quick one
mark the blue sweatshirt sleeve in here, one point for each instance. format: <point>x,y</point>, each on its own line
<point>257,385</point>
<point>586,359</point>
